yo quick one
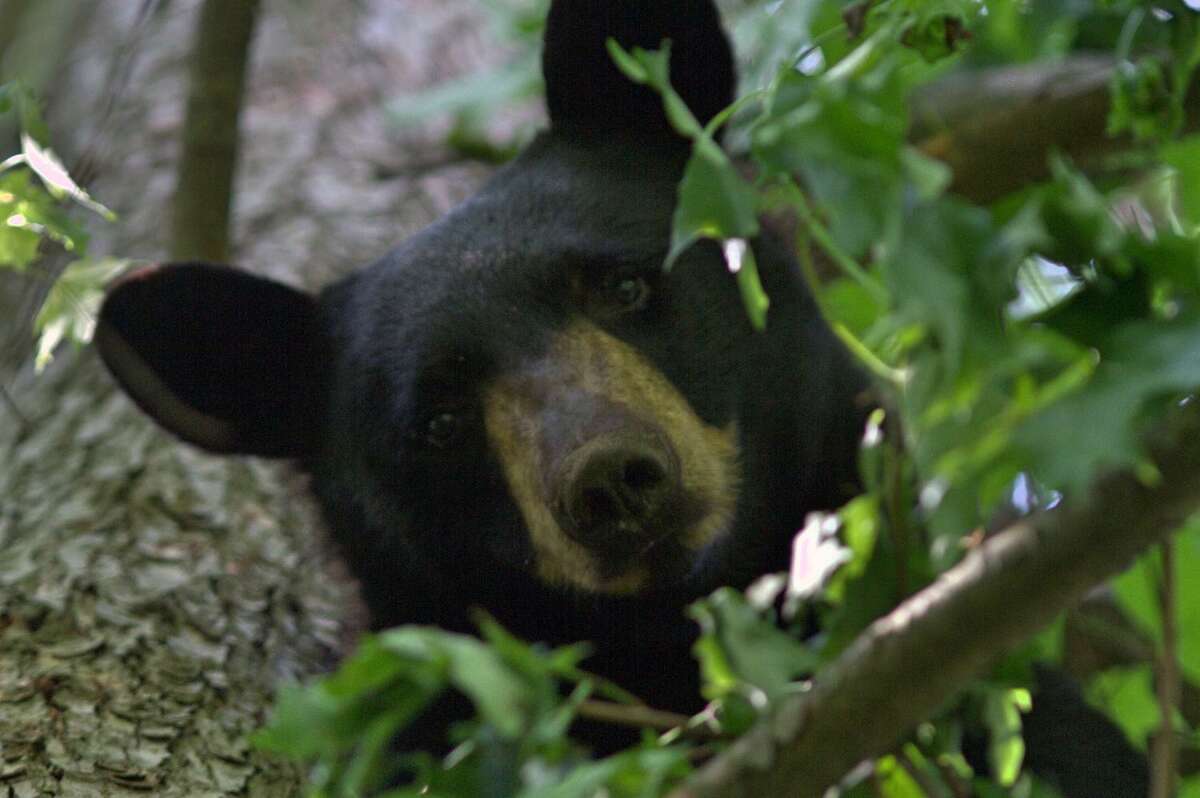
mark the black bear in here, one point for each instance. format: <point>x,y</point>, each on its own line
<point>518,409</point>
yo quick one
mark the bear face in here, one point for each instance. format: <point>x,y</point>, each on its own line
<point>518,409</point>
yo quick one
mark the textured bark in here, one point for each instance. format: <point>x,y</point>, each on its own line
<point>910,662</point>
<point>151,601</point>
<point>204,194</point>
<point>153,598</point>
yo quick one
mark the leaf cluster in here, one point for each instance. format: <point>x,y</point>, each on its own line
<point>516,746</point>
<point>33,213</point>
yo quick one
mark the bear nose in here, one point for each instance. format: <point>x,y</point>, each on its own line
<point>618,491</point>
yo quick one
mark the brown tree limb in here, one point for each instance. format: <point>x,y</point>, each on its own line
<point>204,194</point>
<point>996,128</point>
<point>909,663</point>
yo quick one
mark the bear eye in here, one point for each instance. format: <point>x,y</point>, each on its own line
<point>629,292</point>
<point>443,430</point>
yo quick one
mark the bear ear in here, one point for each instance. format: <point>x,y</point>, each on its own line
<point>223,359</point>
<point>586,91</point>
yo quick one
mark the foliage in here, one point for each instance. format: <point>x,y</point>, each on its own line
<point>517,746</point>
<point>1020,348</point>
<point>33,213</point>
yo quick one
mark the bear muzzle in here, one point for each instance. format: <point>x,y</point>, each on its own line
<point>619,483</point>
<point>614,493</point>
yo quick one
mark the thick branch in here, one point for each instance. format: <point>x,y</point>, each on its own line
<point>996,128</point>
<point>910,662</point>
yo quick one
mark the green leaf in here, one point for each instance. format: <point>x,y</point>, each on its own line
<point>1127,696</point>
<point>1184,157</point>
<point>326,719</point>
<point>929,176</point>
<point>636,69</point>
<point>935,36</point>
<point>739,648</point>
<point>865,598</point>
<point>1098,425</point>
<point>1138,591</point>
<point>845,138</point>
<point>893,781</point>
<point>640,773</point>
<point>653,68</point>
<point>26,206</point>
<point>930,277</point>
<point>714,201</point>
<point>499,695</point>
<point>1002,710</point>
<point>70,308</point>
<point>18,247</point>
<point>860,529</point>
<point>850,303</point>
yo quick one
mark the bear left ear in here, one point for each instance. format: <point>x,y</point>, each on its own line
<point>586,91</point>
<point>226,360</point>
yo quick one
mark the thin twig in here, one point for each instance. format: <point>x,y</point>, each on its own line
<point>638,716</point>
<point>1164,764</point>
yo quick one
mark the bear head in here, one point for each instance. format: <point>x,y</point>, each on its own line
<point>518,408</point>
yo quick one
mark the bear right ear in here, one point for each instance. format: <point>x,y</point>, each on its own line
<point>223,359</point>
<point>586,91</point>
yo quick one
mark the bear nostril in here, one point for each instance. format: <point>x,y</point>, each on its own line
<point>617,491</point>
<point>643,473</point>
<point>597,504</point>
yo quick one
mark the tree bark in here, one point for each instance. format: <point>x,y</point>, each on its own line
<point>151,600</point>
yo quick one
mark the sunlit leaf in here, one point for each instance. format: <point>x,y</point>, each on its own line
<point>1002,710</point>
<point>817,554</point>
<point>49,168</point>
<point>69,310</point>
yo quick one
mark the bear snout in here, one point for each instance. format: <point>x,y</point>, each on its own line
<point>613,492</point>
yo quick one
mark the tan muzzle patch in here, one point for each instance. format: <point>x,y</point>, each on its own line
<point>587,367</point>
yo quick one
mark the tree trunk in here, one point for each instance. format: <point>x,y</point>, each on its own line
<point>203,196</point>
<point>154,598</point>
